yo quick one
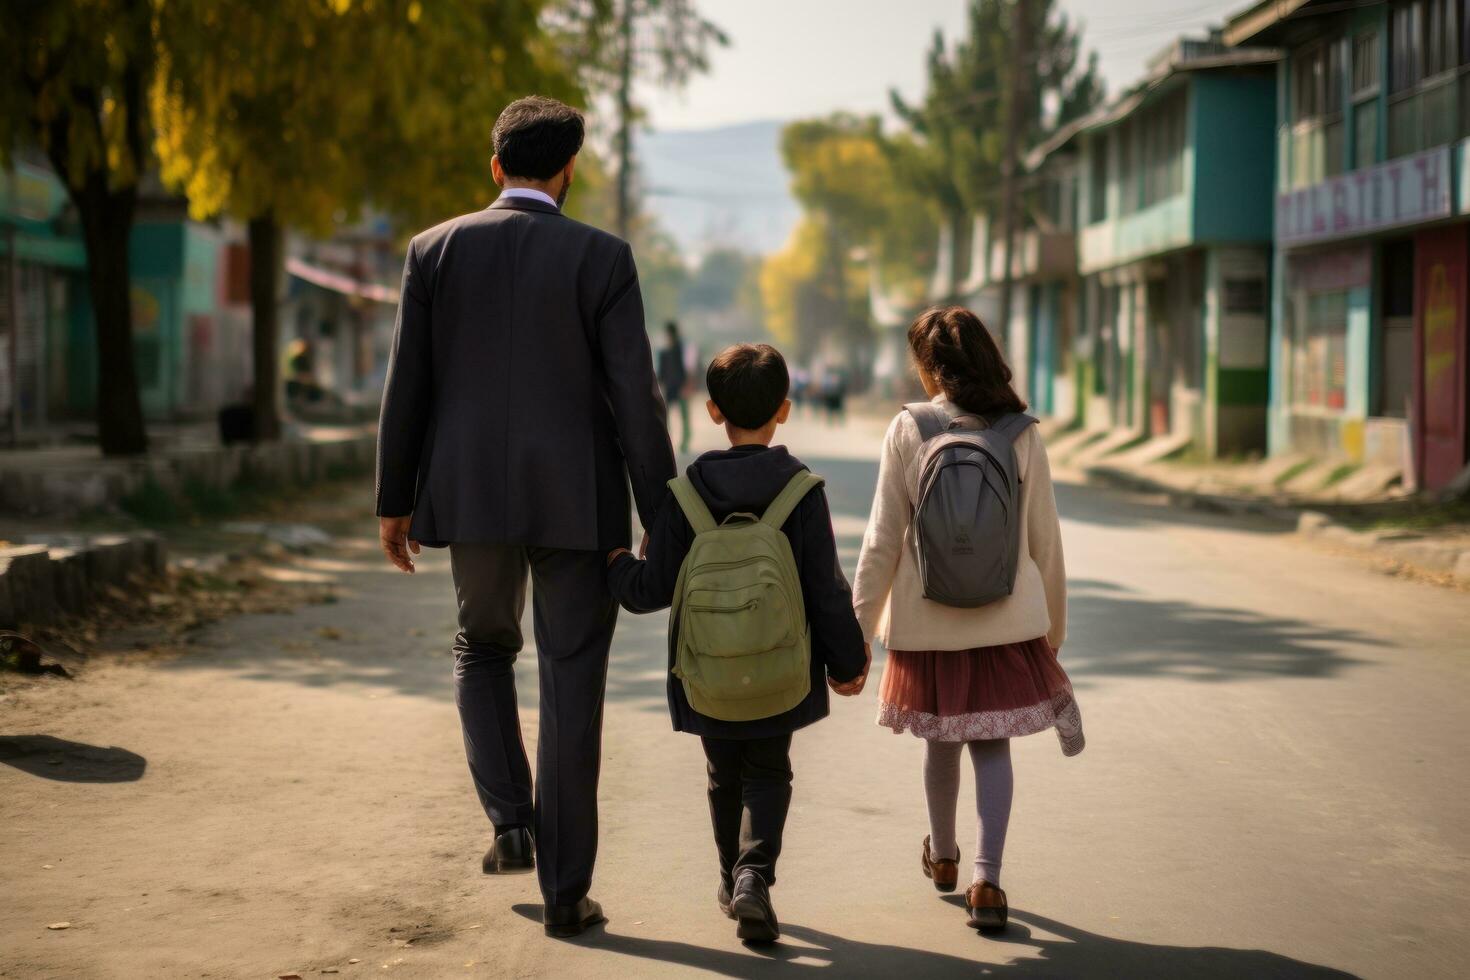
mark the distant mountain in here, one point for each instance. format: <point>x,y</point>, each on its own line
<point>723,187</point>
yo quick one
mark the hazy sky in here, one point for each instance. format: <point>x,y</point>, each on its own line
<point>791,58</point>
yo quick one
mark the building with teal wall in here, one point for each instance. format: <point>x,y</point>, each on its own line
<point>1174,211</point>
<point>1368,327</point>
<point>42,278</point>
<point>175,288</point>
<point>1038,340</point>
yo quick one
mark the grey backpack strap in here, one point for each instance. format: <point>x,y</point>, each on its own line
<point>780,509</point>
<point>1010,426</point>
<point>931,419</point>
<point>692,504</point>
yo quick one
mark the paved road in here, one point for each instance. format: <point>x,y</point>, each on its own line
<point>1274,785</point>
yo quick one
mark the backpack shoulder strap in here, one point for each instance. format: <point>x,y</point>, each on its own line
<point>780,509</point>
<point>1010,426</point>
<point>692,504</point>
<point>932,419</point>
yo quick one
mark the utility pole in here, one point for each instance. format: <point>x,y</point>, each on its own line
<point>1016,129</point>
<point>623,217</point>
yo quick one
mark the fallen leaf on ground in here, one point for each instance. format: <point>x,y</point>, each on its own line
<point>59,925</point>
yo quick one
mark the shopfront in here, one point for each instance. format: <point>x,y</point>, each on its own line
<point>1372,332</point>
<point>1439,354</point>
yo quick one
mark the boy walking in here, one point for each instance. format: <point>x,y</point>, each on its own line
<point>747,669</point>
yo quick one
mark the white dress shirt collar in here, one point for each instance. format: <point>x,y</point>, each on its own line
<point>530,193</point>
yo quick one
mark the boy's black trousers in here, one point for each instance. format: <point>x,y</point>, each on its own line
<point>749,794</point>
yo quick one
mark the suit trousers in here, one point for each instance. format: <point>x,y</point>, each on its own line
<point>749,796</point>
<point>574,616</point>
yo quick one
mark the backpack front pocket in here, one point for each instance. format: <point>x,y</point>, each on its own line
<point>739,622</point>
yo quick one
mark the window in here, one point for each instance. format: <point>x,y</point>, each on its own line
<point>1245,297</point>
<point>1365,64</point>
<point>1365,134</point>
<point>1365,99</point>
<point>1097,181</point>
<point>1429,43</point>
<point>1319,78</point>
<point>1319,351</point>
<point>1406,57</point>
<point>1127,173</point>
<point>1441,37</point>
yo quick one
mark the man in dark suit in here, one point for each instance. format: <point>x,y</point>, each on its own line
<point>520,400</point>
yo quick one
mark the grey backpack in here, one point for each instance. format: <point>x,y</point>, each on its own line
<point>968,519</point>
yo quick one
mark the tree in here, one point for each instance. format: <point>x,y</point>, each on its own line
<point>1015,71</point>
<point>75,84</point>
<point>857,212</point>
<point>297,113</point>
<point>619,42</point>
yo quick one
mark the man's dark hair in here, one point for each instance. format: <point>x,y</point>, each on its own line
<point>748,383</point>
<point>536,137</point>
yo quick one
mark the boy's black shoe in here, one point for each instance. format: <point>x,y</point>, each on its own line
<point>723,898</point>
<point>566,921</point>
<point>514,852</point>
<point>752,906</point>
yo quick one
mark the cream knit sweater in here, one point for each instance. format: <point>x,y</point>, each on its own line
<point>889,600</point>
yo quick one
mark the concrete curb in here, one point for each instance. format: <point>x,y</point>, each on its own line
<point>34,485</point>
<point>1405,546</point>
<point>44,582</point>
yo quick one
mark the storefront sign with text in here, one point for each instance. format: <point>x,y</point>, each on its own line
<point>1404,191</point>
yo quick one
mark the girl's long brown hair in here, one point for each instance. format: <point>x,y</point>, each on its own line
<point>956,350</point>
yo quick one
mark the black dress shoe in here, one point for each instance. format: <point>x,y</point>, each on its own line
<point>566,921</point>
<point>752,907</point>
<point>723,898</point>
<point>514,852</point>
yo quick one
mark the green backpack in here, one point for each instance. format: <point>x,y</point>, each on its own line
<point>743,650</point>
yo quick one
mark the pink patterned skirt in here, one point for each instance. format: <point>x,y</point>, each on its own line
<point>987,692</point>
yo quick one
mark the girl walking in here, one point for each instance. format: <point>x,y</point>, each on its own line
<point>966,680</point>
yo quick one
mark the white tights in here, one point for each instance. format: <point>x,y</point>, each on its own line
<point>994,787</point>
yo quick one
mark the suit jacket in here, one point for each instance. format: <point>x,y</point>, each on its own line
<point>520,396</point>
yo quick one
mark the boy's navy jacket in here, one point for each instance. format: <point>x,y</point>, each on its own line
<point>748,478</point>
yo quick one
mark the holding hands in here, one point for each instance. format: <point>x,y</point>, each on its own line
<point>854,687</point>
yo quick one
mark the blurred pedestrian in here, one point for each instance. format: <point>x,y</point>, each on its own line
<point>834,394</point>
<point>673,378</point>
<point>959,675</point>
<point>801,388</point>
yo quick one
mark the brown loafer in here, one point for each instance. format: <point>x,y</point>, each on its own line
<point>987,905</point>
<point>943,873</point>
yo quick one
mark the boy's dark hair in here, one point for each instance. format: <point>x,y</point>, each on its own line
<point>748,383</point>
<point>536,137</point>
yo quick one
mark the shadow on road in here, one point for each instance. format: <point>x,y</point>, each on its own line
<point>1121,633</point>
<point>55,758</point>
<point>1066,952</point>
<point>1089,504</point>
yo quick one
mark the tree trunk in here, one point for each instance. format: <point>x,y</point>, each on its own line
<point>1020,71</point>
<point>265,268</point>
<point>107,220</point>
<point>624,214</point>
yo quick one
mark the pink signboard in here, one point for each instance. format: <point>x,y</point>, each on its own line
<point>1401,192</point>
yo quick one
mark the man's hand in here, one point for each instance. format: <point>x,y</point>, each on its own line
<point>855,686</point>
<point>612,556</point>
<point>393,536</point>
